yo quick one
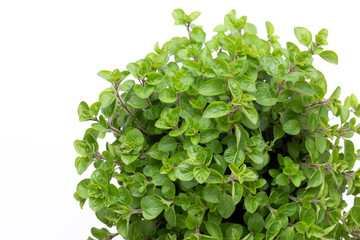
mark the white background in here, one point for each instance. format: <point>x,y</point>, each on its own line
<point>50,53</point>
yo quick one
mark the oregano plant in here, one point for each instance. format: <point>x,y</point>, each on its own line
<point>229,137</point>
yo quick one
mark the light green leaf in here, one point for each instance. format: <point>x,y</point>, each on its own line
<point>201,174</point>
<point>99,176</point>
<point>216,109</point>
<point>316,179</point>
<point>167,95</point>
<point>152,207</point>
<point>250,113</point>
<point>292,127</point>
<point>303,35</point>
<point>256,223</point>
<point>220,67</point>
<point>226,206</point>
<point>184,171</point>
<point>198,34</point>
<point>329,56</point>
<point>273,230</point>
<point>251,204</point>
<point>321,142</point>
<point>213,87</point>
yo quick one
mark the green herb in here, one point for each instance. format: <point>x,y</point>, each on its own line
<point>229,137</point>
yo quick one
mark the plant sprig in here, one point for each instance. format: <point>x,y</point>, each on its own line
<point>225,138</point>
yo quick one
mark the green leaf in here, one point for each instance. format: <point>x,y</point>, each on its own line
<point>236,192</point>
<point>208,135</point>
<point>143,92</point>
<point>106,98</point>
<point>191,64</point>
<point>336,93</point>
<point>154,78</point>
<point>170,216</point>
<point>214,230</point>
<point>355,214</point>
<point>167,144</point>
<point>99,176</point>
<point>184,171</point>
<point>213,87</point>
<point>226,206</point>
<point>81,188</point>
<point>256,156</point>
<point>216,109</point>
<point>167,95</point>
<point>316,179</point>
<point>134,69</point>
<point>220,67</point>
<point>84,112</point>
<point>303,88</point>
<point>82,164</point>
<point>192,221</point>
<point>201,174</point>
<point>152,207</point>
<point>303,35</point>
<point>96,203</point>
<point>168,189</point>
<point>231,22</point>
<point>273,230</point>
<point>105,74</point>
<point>329,56</point>
<point>247,83</point>
<point>113,194</point>
<point>282,180</point>
<point>125,197</point>
<point>250,113</point>
<point>321,142</point>
<point>198,34</point>
<point>99,233</point>
<point>315,231</point>
<point>309,216</point>
<point>212,193</point>
<point>178,13</point>
<point>292,127</point>
<point>269,28</point>
<point>251,204</point>
<point>256,223</point>
<point>270,64</point>
<point>194,15</point>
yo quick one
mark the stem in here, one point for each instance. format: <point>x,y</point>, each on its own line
<point>325,165</point>
<point>178,99</point>
<point>149,102</point>
<point>228,88</point>
<point>280,88</point>
<point>294,199</point>
<point>109,127</point>
<point>318,103</point>
<point>180,136</point>
<point>188,29</point>
<point>112,236</point>
<point>135,211</point>
<point>138,124</point>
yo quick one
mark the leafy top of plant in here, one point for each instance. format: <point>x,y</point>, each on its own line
<point>223,138</point>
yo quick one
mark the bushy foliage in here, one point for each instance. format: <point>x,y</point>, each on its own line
<point>230,138</point>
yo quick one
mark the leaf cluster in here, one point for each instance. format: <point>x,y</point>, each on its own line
<point>226,138</point>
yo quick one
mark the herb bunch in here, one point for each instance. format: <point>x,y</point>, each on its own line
<point>230,138</point>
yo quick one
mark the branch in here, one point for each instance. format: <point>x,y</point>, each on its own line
<point>188,29</point>
<point>318,103</point>
<point>112,236</point>
<point>137,122</point>
<point>109,127</point>
<point>325,165</point>
<point>280,88</point>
